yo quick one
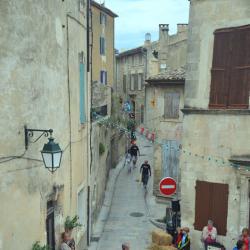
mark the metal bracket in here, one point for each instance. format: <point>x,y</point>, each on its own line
<point>30,133</point>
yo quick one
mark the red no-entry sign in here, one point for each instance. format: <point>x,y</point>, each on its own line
<point>168,186</point>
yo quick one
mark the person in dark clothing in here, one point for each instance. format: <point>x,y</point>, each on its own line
<point>146,172</point>
<point>134,150</point>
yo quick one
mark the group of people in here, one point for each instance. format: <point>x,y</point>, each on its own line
<point>131,158</point>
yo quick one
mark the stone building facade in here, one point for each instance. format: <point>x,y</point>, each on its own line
<point>44,84</point>
<point>164,100</point>
<point>215,157</point>
<point>106,143</point>
<point>134,66</point>
<point>164,97</point>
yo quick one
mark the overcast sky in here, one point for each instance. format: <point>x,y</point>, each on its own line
<point>137,17</point>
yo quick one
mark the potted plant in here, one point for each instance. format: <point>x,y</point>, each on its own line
<point>37,246</point>
<point>71,223</point>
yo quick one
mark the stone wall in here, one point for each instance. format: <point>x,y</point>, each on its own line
<point>216,135</point>
<point>40,46</point>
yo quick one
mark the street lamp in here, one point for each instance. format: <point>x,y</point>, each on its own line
<point>51,152</point>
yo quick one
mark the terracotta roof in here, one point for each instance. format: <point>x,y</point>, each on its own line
<point>130,52</point>
<point>103,8</point>
<point>169,75</point>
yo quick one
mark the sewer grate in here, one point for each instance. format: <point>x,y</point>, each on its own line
<point>136,214</point>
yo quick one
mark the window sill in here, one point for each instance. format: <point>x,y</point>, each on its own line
<point>188,111</point>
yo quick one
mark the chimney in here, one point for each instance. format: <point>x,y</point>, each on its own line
<point>163,31</point>
<point>182,27</point>
<point>147,39</point>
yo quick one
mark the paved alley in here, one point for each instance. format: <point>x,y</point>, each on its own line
<point>128,220</point>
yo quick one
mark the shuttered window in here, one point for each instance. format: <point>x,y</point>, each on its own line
<point>230,74</point>
<point>211,202</point>
<point>135,76</point>
<point>102,45</point>
<point>104,77</point>
<point>171,106</point>
<point>140,81</point>
<point>124,83</point>
<point>82,94</point>
<point>132,86</point>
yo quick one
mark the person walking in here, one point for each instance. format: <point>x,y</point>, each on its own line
<point>134,151</point>
<point>125,246</point>
<point>145,170</point>
<point>209,234</point>
<point>245,238</point>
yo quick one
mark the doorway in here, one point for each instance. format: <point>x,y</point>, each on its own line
<point>50,225</point>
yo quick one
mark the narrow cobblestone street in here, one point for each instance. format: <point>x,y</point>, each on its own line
<point>129,197</point>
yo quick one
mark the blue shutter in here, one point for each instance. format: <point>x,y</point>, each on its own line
<point>104,45</point>
<point>82,93</point>
<point>100,45</point>
<point>106,77</point>
<point>101,76</point>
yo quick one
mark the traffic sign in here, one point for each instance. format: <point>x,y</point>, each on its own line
<point>167,186</point>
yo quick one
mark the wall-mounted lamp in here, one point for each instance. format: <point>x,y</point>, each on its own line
<point>51,152</point>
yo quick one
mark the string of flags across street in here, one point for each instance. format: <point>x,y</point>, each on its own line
<point>151,136</point>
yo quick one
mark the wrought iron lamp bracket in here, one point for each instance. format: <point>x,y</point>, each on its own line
<point>28,133</point>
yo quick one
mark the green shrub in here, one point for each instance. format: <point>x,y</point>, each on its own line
<point>70,224</point>
<point>37,246</point>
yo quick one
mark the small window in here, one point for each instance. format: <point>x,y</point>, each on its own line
<point>140,81</point>
<point>102,45</point>
<point>104,77</point>
<point>135,76</point>
<point>124,83</point>
<point>103,18</point>
<point>172,104</point>
<point>132,82</point>
<point>211,202</point>
<point>99,112</point>
<point>82,90</point>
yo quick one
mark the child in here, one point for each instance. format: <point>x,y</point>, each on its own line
<point>184,243</point>
<point>240,245</point>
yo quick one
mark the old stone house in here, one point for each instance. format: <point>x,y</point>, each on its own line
<point>164,95</point>
<point>134,66</point>
<point>215,154</point>
<point>106,143</point>
<point>164,101</point>
<point>44,85</point>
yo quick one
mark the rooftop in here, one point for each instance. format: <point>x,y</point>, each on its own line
<point>170,75</point>
<point>103,8</point>
<point>130,52</point>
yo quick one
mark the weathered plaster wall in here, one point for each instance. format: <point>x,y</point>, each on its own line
<point>215,135</point>
<point>34,91</point>
<point>103,62</point>
<point>205,18</point>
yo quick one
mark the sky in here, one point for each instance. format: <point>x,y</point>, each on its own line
<point>137,17</point>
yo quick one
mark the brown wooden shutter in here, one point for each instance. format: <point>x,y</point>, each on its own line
<point>172,102</point>
<point>220,70</point>
<point>202,204</point>
<point>240,69</point>
<point>219,207</point>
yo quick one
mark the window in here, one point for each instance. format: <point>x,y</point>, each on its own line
<point>230,74</point>
<point>171,107</point>
<point>102,45</point>
<point>211,202</point>
<point>104,77</point>
<point>99,112</point>
<point>135,76</point>
<point>142,113</point>
<point>82,93</point>
<point>124,83</point>
<point>82,207</point>
<point>103,18</point>
<point>131,78</point>
<point>82,5</point>
<point>140,59</point>
<point>140,81</point>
